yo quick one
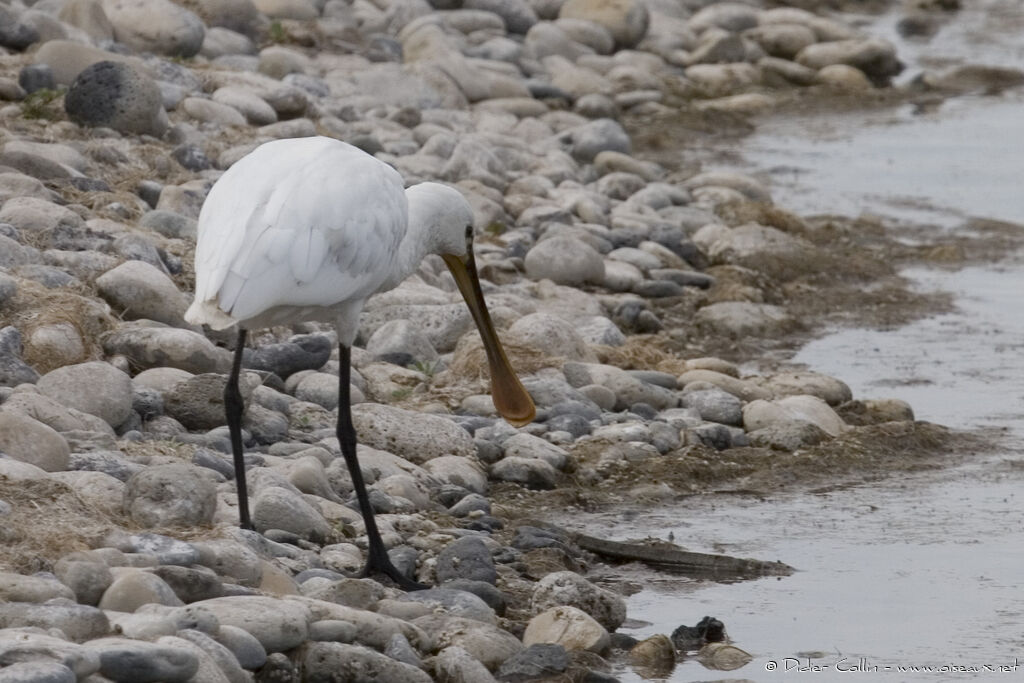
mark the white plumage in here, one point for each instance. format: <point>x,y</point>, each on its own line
<point>307,229</point>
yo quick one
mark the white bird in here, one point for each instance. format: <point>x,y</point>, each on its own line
<point>308,229</point>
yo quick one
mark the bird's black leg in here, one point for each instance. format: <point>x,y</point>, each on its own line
<point>377,559</point>
<point>233,411</point>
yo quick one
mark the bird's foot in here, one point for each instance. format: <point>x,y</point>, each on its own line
<point>380,563</point>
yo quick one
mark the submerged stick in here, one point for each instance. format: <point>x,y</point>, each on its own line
<point>672,558</point>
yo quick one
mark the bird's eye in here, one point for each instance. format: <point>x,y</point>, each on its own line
<point>469,238</point>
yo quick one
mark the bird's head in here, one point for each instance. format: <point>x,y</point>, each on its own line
<point>451,235</point>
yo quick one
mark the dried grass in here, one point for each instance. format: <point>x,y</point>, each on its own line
<point>470,361</point>
<point>642,352</point>
<point>36,306</point>
<point>47,521</point>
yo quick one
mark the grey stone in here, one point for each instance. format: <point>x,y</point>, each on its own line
<point>135,661</point>
<point>95,388</point>
<point>170,495</point>
<point>150,345</point>
<point>198,402</point>
<point>569,627</point>
<point>303,352</point>
<point>455,665</point>
<point>486,643</point>
<point>569,588</point>
<point>33,442</point>
<point>279,508</point>
<point>77,622</point>
<point>136,289</point>
<point>590,139</point>
<point>26,646</point>
<point>223,657</point>
<point>38,671</point>
<point>191,585</point>
<point>442,325</point>
<point>739,319</point>
<point>158,26</point>
<point>715,405</point>
<point>114,95</point>
<point>418,437</point>
<point>401,342</point>
<point>169,223</point>
<point>466,558</point>
<point>534,663</point>
<point>565,260</point>
<point>278,625</point>
<point>110,463</point>
<point>132,590</point>
<point>248,651</point>
<point>327,662</point>
<point>531,473</point>
<point>13,370</point>
<point>87,579</point>
<point>456,602</point>
<point>626,20</point>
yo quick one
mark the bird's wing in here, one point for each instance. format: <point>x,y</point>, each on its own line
<point>298,222</point>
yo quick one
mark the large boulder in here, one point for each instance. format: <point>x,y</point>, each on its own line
<point>114,95</point>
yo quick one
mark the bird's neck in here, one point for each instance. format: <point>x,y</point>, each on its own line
<point>418,242</point>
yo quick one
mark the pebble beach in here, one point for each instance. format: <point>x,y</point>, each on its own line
<point>628,282</point>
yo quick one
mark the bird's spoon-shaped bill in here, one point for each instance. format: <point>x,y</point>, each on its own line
<point>510,397</point>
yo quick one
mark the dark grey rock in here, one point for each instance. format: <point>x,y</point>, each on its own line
<point>35,77</point>
<point>243,645</point>
<point>717,436</point>
<point>50,277</point>
<point>13,370</point>
<point>655,289</point>
<point>531,538</point>
<point>191,157</point>
<point>305,352</point>
<point>483,590</point>
<point>577,425</point>
<point>203,457</point>
<point>15,34</point>
<point>87,579</point>
<point>149,191</point>
<point>147,402</point>
<point>466,558</point>
<point>596,136</point>
<point>114,95</point>
<point>382,48</point>
<point>539,661</point>
<point>471,503</point>
<point>399,649</point>
<point>113,463</point>
<point>404,558</point>
<point>190,584</point>
<point>684,278</point>
<point>136,661</point>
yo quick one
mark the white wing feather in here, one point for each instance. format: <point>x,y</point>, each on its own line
<point>309,222</point>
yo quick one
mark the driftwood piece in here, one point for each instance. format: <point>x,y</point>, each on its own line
<point>672,558</point>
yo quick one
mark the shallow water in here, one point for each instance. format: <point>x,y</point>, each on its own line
<point>920,569</point>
